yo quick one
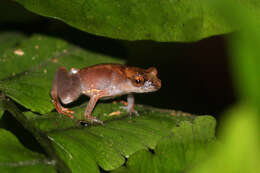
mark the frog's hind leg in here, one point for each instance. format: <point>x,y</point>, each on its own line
<point>66,88</point>
<point>68,84</point>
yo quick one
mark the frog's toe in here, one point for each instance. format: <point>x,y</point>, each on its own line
<point>130,111</point>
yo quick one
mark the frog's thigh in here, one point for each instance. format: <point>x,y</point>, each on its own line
<point>68,86</point>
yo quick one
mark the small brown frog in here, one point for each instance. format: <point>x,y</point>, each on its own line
<point>101,81</point>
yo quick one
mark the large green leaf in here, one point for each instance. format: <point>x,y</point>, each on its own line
<point>168,20</point>
<point>186,145</point>
<point>107,146</point>
<point>27,70</point>
<point>14,157</point>
<point>9,40</point>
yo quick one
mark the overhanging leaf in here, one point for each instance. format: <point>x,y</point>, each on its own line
<point>168,20</point>
<point>16,158</point>
<point>27,71</point>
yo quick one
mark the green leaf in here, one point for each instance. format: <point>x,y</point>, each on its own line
<point>107,146</point>
<point>27,71</point>
<point>104,145</point>
<point>168,20</point>
<point>9,40</point>
<point>186,145</point>
<point>14,157</point>
<point>245,59</point>
<point>239,151</point>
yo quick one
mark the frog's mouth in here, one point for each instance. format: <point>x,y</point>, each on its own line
<point>150,86</point>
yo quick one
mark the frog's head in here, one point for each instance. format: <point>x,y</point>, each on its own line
<point>143,80</point>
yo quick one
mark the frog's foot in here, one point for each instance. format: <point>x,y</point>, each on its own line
<point>61,110</point>
<point>129,110</point>
<point>67,112</point>
<point>94,120</point>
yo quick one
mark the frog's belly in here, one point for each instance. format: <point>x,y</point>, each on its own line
<point>109,97</point>
<point>112,93</point>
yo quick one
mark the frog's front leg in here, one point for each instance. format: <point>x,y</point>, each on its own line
<point>130,105</point>
<point>65,88</point>
<point>91,104</point>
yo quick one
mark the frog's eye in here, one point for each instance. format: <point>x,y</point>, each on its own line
<point>138,80</point>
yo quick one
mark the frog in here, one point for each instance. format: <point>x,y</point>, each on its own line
<point>101,81</point>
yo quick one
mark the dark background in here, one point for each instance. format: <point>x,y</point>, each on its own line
<point>196,77</point>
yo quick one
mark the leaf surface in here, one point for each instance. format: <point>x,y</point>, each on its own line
<point>184,146</point>
<point>168,20</point>
<point>14,157</point>
<point>9,40</point>
<point>120,137</point>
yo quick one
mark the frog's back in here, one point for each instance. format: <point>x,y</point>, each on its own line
<point>101,77</point>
